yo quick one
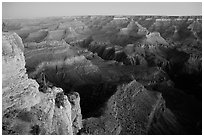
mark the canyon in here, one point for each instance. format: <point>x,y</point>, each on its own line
<point>98,75</point>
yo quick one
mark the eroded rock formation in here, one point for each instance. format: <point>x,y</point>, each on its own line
<point>25,110</point>
<point>120,77</point>
<point>133,110</point>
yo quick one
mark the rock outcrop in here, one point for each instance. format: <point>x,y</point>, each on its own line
<point>154,38</point>
<point>25,110</point>
<point>108,51</point>
<point>133,110</point>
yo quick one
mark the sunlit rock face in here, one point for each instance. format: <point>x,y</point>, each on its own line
<point>155,38</point>
<point>25,110</point>
<point>133,110</point>
<point>13,73</point>
<point>133,29</point>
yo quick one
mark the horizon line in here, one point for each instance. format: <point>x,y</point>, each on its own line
<point>105,15</point>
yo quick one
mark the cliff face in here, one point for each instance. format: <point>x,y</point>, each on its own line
<point>25,110</point>
<point>14,77</point>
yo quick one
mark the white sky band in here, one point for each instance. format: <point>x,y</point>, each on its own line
<point>46,9</point>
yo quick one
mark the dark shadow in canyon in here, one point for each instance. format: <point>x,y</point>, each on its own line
<point>94,97</point>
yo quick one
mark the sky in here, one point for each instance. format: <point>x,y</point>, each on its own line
<point>18,10</point>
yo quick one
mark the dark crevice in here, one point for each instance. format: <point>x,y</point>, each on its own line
<point>59,100</point>
<point>35,130</point>
<point>93,98</point>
